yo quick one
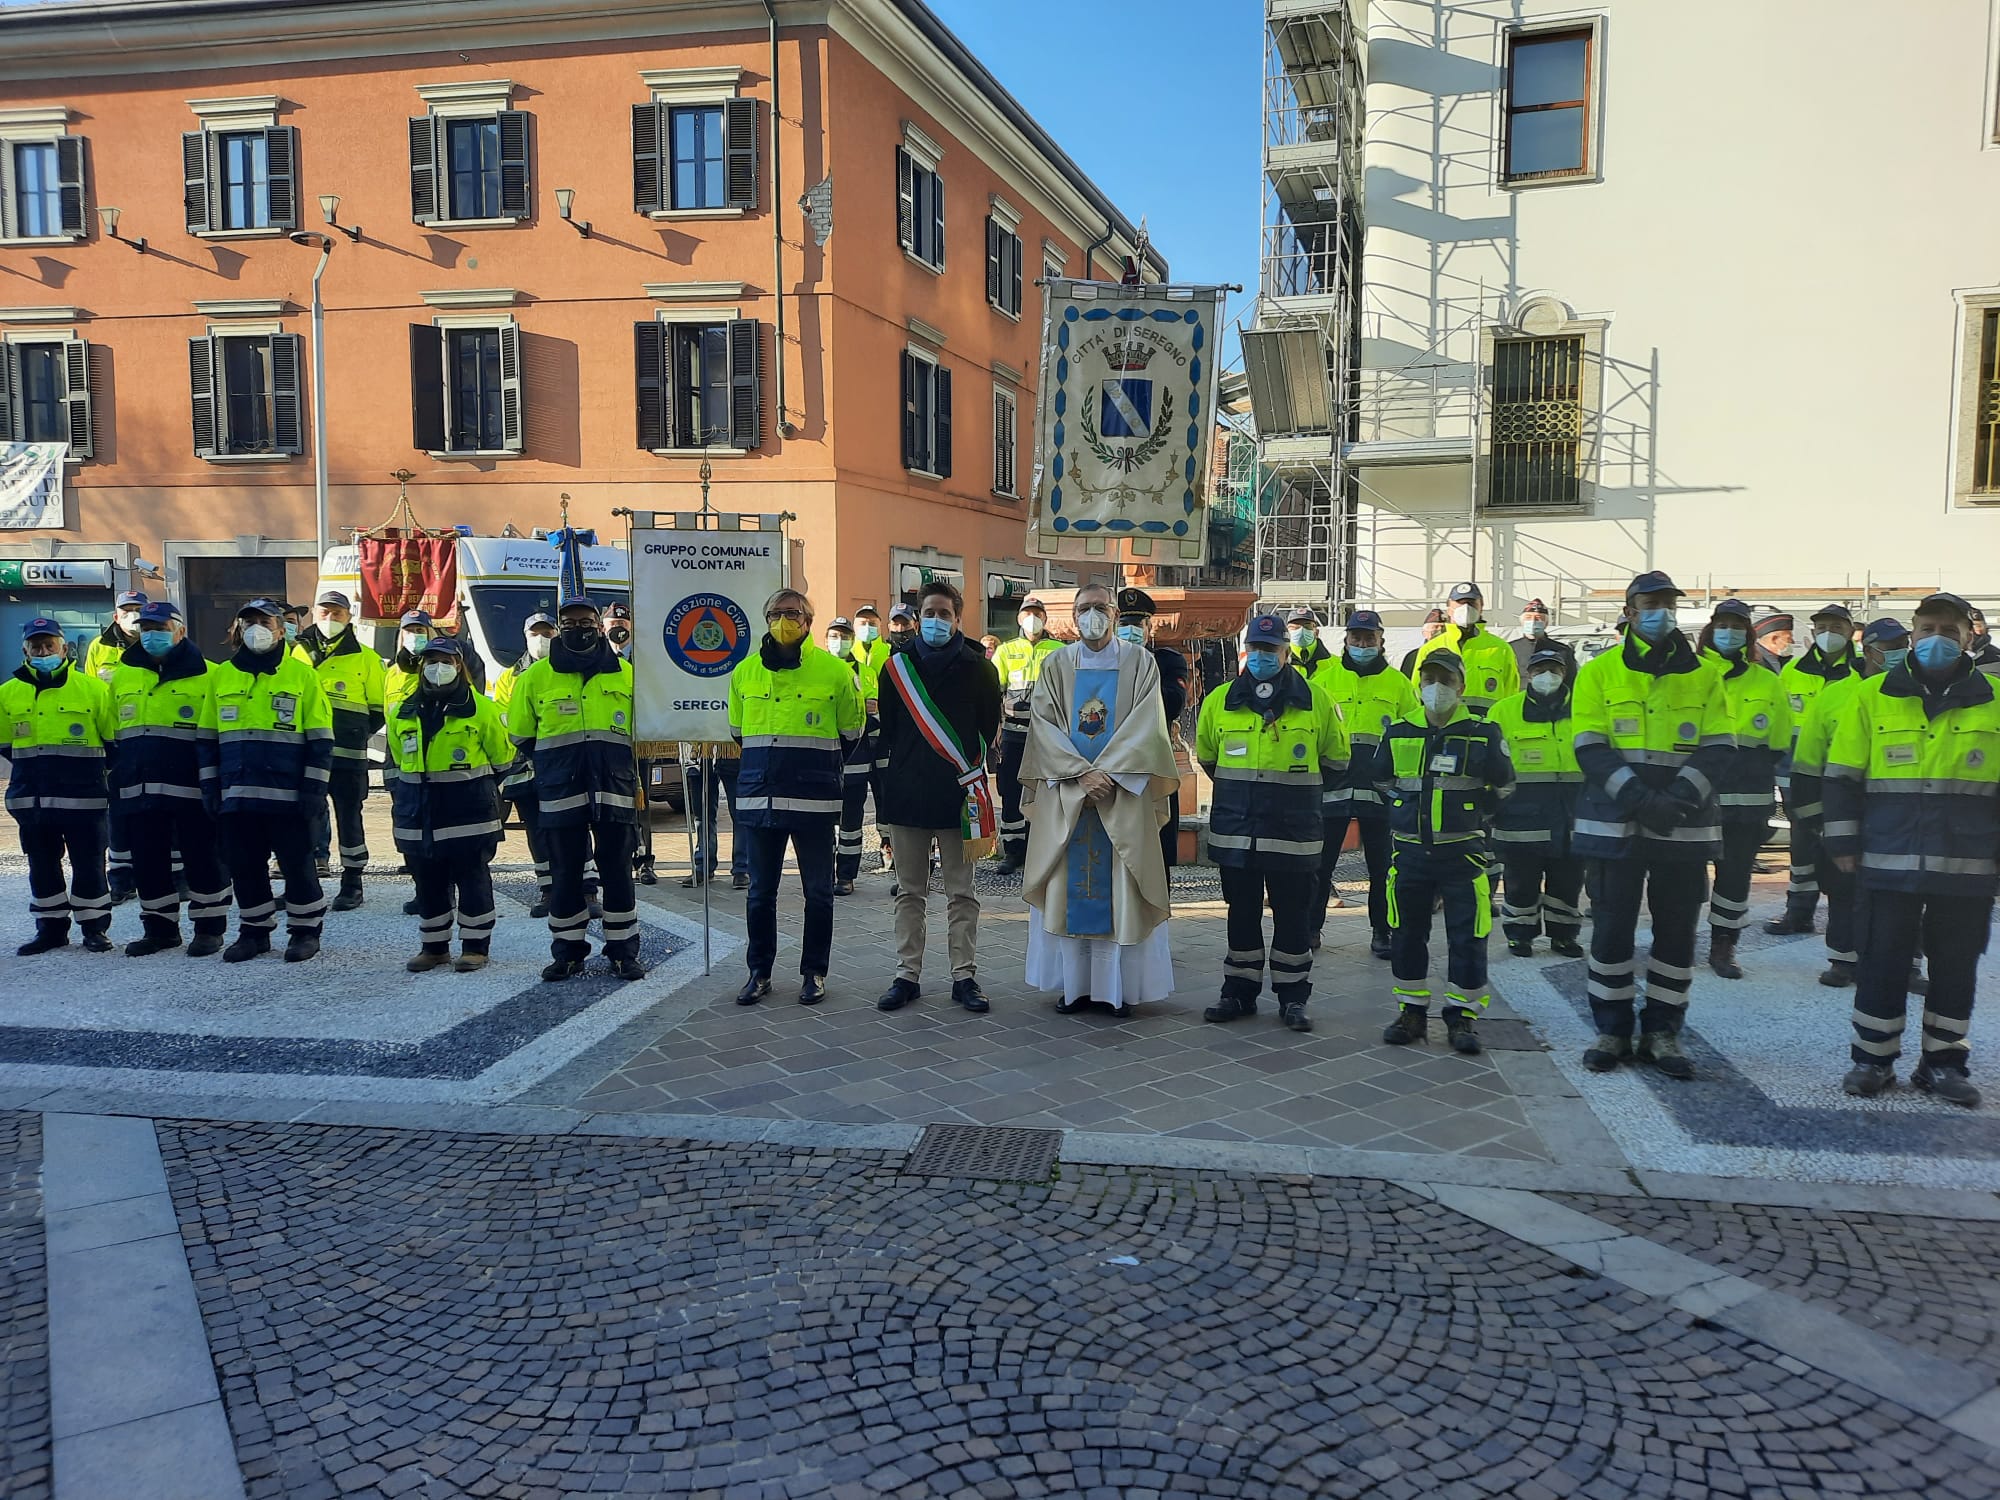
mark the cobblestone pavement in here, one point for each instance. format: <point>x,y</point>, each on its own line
<point>1933,1283</point>
<point>431,1314</point>
<point>24,1324</point>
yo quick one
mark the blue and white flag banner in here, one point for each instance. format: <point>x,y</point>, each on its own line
<point>31,486</point>
<point>1125,422</point>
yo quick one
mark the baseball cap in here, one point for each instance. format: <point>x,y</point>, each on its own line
<point>1730,606</point>
<point>1654,582</point>
<point>841,622</point>
<point>868,609</point>
<point>1303,614</point>
<point>1938,603</point>
<point>40,625</point>
<point>335,599</point>
<point>260,607</point>
<point>617,612</point>
<point>1842,612</point>
<point>1033,601</point>
<point>1460,592</point>
<point>902,612</point>
<point>1449,660</point>
<point>131,598</point>
<point>158,612</point>
<point>539,617</point>
<point>1265,630</point>
<point>1541,654</point>
<point>1888,628</point>
<point>414,617</point>
<point>442,645</point>
<point>1364,619</point>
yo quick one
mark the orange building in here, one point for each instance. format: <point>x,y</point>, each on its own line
<point>571,249</point>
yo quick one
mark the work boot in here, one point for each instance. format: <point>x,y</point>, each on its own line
<point>1607,1052</point>
<point>1866,1080</point>
<point>47,938</point>
<point>122,887</point>
<point>1229,1008</point>
<point>150,943</point>
<point>411,909</point>
<point>248,945</point>
<point>843,888</point>
<point>1521,947</point>
<point>1663,1050</point>
<point>1839,974</point>
<point>322,868</point>
<point>1566,947</point>
<point>469,962</point>
<point>627,968</point>
<point>540,910</point>
<point>98,941</point>
<point>205,945</point>
<point>1412,1024</point>
<point>1293,1014</point>
<point>1794,920</point>
<point>558,969</point>
<point>349,895</point>
<point>1458,1029</point>
<point>1722,956</point>
<point>428,959</point>
<point>1378,944</point>
<point>301,946</point>
<point>1948,1081</point>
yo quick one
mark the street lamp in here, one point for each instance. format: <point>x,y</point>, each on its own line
<point>329,204</point>
<point>311,238</point>
<point>565,204</point>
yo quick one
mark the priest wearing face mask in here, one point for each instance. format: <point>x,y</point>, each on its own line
<point>1653,739</point>
<point>1096,776</point>
<point>1829,658</point>
<point>1019,663</point>
<point>1761,719</point>
<point>1491,672</point>
<point>351,677</point>
<point>56,727</point>
<point>1532,829</point>
<point>100,660</point>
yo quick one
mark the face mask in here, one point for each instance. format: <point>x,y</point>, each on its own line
<point>1537,628</point>
<point>1439,697</point>
<point>414,641</point>
<point>1032,625</point>
<point>1263,665</point>
<point>48,666</point>
<point>618,635</point>
<point>333,630</point>
<point>1094,624</point>
<point>1936,652</point>
<point>581,638</point>
<point>440,673</point>
<point>259,638</point>
<point>1894,659</point>
<point>1830,642</point>
<point>1132,635</point>
<point>1656,625</point>
<point>935,631</point>
<point>839,645</point>
<point>156,642</point>
<point>538,647</point>
<point>291,630</point>
<point>128,620</point>
<point>1364,655</point>
<point>1461,615</point>
<point>866,633</point>
<point>1302,637</point>
<point>1729,639</point>
<point>787,632</point>
<point>1545,683</point>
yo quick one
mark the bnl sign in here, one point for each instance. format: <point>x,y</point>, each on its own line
<point>21,572</point>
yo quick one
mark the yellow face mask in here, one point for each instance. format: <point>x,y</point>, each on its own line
<point>787,632</point>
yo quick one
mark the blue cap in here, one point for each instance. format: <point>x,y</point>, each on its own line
<point>1302,614</point>
<point>1461,592</point>
<point>131,597</point>
<point>1364,619</point>
<point>261,607</point>
<point>1265,630</point>
<point>414,617</point>
<point>40,625</point>
<point>1447,660</point>
<point>1654,582</point>
<point>159,612</point>
<point>539,617</point>
<point>1730,606</point>
<point>1884,630</point>
<point>904,612</point>
<point>1942,603</point>
<point>444,645</point>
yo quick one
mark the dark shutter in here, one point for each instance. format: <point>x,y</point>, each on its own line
<point>937,221</point>
<point>10,355</point>
<point>1013,247</point>
<point>1003,442</point>
<point>281,158</point>
<point>995,275</point>
<point>648,176</point>
<point>201,386</point>
<point>426,388</point>
<point>196,192</point>
<point>513,164</point>
<point>746,394</point>
<point>739,152</point>
<point>424,174</point>
<point>510,387</point>
<point>76,398</point>
<point>69,173</point>
<point>906,203</point>
<point>909,410</point>
<point>287,427</point>
<point>941,427</point>
<point>649,358</point>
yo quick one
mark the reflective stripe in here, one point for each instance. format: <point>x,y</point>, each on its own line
<point>1950,1025</point>
<point>1891,1048</point>
<point>1667,758</point>
<point>230,732</point>
<point>1962,785</point>
<point>1874,861</point>
<point>564,804</point>
<point>318,773</point>
<point>160,789</point>
<point>1311,848</point>
<point>788,742</point>
<point>455,831</point>
<point>787,804</point>
<point>1845,773</point>
<point>454,773</point>
<point>1590,827</point>
<point>59,804</point>
<point>1696,780</point>
<point>1587,738</point>
<point>1961,866</point>
<point>75,752</point>
<point>1240,773</point>
<point>579,737</point>
<point>262,793</point>
<point>1523,836</point>
<point>1670,971</point>
<point>1743,799</point>
<point>1703,833</point>
<point>156,732</point>
<point>1843,828</point>
<point>1540,778</point>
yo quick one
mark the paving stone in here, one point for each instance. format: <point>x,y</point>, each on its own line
<point>24,1350</point>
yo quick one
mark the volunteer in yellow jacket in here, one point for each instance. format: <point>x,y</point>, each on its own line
<point>1491,672</point>
<point>55,727</point>
<point>1828,659</point>
<point>350,674</point>
<point>517,786</point>
<point>100,660</point>
<point>1019,663</point>
<point>1761,720</point>
<point>1371,695</point>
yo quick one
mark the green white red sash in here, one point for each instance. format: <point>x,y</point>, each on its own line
<point>976,818</point>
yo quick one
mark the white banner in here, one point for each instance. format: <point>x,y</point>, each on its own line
<point>1126,421</point>
<point>697,611</point>
<point>31,486</point>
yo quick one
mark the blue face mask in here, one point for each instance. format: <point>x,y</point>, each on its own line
<point>1894,659</point>
<point>1655,625</point>
<point>157,642</point>
<point>1362,656</point>
<point>1936,652</point>
<point>1730,639</point>
<point>936,632</point>
<point>1263,665</point>
<point>1132,635</point>
<point>48,666</point>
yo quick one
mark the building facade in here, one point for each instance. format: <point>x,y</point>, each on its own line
<point>570,253</point>
<point>1688,284</point>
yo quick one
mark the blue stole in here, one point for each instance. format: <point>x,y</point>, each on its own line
<point>1094,716</point>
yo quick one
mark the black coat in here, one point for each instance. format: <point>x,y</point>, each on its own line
<point>918,788</point>
<point>1173,681</point>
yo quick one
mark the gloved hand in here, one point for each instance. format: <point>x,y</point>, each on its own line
<point>211,799</point>
<point>1660,813</point>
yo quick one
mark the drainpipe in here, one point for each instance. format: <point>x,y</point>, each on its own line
<point>785,427</point>
<point>1095,245</point>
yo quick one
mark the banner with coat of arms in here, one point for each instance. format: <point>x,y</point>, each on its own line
<point>1126,421</point>
<point>698,611</point>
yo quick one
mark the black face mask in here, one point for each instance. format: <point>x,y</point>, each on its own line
<point>580,638</point>
<point>620,636</point>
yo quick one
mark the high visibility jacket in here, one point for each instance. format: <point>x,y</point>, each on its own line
<point>1803,679</point>
<point>1441,782</point>
<point>1913,783</point>
<point>351,677</point>
<point>1760,716</point>
<point>55,730</point>
<point>578,728</point>
<point>1491,672</point>
<point>446,791</point>
<point>1019,663</point>
<point>517,782</point>
<point>1370,699</point>
<point>865,750</point>
<point>1317,664</point>
<point>1267,813</point>
<point>399,681</point>
<point>873,656</point>
<point>1538,810</point>
<point>1809,746</point>
<point>104,654</point>
<point>1650,721</point>
<point>165,712</point>
<point>274,732</point>
<point>795,724</point>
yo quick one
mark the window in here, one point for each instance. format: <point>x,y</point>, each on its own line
<point>1549,79</point>
<point>919,209</point>
<point>245,388</point>
<point>238,180</point>
<point>1537,422</point>
<point>694,157</point>
<point>1986,408</point>
<point>469,168</point>
<point>1003,442</point>
<point>41,189</point>
<point>699,384</point>
<point>465,388</point>
<point>1003,267</point>
<point>926,415</point>
<point>45,393</point>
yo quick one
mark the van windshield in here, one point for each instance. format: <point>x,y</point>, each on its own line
<point>503,610</point>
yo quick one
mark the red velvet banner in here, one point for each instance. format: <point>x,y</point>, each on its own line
<point>402,573</point>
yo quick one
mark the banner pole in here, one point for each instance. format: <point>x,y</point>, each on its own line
<point>708,820</point>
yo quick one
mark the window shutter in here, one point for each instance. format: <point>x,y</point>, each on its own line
<point>994,274</point>
<point>746,393</point>
<point>1014,274</point>
<point>1003,442</point>
<point>909,410</point>
<point>426,388</point>
<point>906,203</point>
<point>937,221</point>
<point>69,173</point>
<point>941,440</point>
<point>739,152</point>
<point>513,164</point>
<point>281,156</point>
<point>510,387</point>
<point>649,359</point>
<point>648,179</point>
<point>201,386</point>
<point>287,427</point>
<point>196,192</point>
<point>76,398</point>
<point>9,356</point>
<point>424,153</point>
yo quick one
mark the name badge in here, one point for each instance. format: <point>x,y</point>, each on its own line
<point>1235,745</point>
<point>227,713</point>
<point>1899,755</point>
<point>1798,702</point>
<point>284,708</point>
<point>1529,754</point>
<point>1624,726</point>
<point>568,706</point>
<point>127,712</point>
<point>410,742</point>
<point>1444,763</point>
<point>23,728</point>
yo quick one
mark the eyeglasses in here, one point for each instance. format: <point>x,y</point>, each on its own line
<point>784,614</point>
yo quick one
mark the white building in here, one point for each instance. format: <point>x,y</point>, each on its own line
<point>1705,285</point>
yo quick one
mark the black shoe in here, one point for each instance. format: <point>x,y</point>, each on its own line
<point>595,912</point>
<point>755,988</point>
<point>1790,922</point>
<point>411,909</point>
<point>843,888</point>
<point>1919,983</point>
<point>1663,1050</point>
<point>1521,948</point>
<point>627,968</point>
<point>1067,1007</point>
<point>322,868</point>
<point>1838,974</point>
<point>1722,957</point>
<point>1378,944</point>
<point>1293,1014</point>
<point>1008,866</point>
<point>301,946</point>
<point>691,882</point>
<point>1566,947</point>
<point>247,946</point>
<point>559,969</point>
<point>349,895</point>
<point>147,946</point>
<point>646,875</point>
<point>97,942</point>
<point>1412,1024</point>
<point>739,882</point>
<point>44,941</point>
<point>967,993</point>
<point>813,991</point>
<point>540,909</point>
<point>1227,1009</point>
<point>1458,1028</point>
<point>1866,1080</point>
<point>1948,1081</point>
<point>1607,1052</point>
<point>204,945</point>
<point>898,995</point>
<point>123,891</point>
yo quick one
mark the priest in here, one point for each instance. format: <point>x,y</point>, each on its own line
<point>1095,777</point>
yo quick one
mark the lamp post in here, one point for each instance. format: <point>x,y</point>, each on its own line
<point>325,244</point>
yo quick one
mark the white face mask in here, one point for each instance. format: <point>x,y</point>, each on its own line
<point>440,673</point>
<point>1461,615</point>
<point>1830,642</point>
<point>838,644</point>
<point>259,638</point>
<point>333,630</point>
<point>1545,683</point>
<point>128,620</point>
<point>1032,625</point>
<point>1439,697</point>
<point>1537,626</point>
<point>538,646</point>
<point>414,642</point>
<point>1094,624</point>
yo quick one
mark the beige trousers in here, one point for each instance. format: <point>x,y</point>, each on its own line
<point>913,864</point>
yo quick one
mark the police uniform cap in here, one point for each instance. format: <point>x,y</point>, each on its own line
<point>1771,624</point>
<point>1265,630</point>
<point>1881,632</point>
<point>1136,602</point>
<point>1364,619</point>
<point>159,612</point>
<point>1654,582</point>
